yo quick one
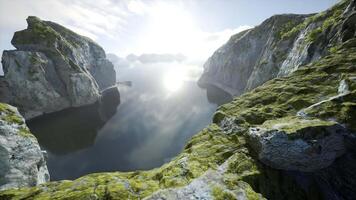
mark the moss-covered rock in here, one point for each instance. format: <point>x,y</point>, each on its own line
<point>54,68</point>
<point>21,161</point>
<point>230,157</point>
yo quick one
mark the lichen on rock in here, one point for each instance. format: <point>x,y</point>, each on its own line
<point>54,68</point>
<point>293,143</point>
<point>21,161</point>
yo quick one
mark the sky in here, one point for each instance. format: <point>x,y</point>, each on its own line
<point>194,28</point>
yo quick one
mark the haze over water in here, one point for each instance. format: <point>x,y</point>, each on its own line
<point>162,109</point>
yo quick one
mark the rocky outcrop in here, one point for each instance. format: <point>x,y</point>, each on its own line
<point>222,161</point>
<point>21,159</point>
<point>277,47</point>
<point>305,124</point>
<point>298,144</point>
<point>54,68</point>
<point>209,186</point>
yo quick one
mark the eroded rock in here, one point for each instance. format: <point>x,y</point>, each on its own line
<point>294,143</point>
<point>54,68</point>
<point>21,160</point>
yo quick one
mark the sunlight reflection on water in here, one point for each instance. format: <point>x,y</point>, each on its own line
<point>151,125</point>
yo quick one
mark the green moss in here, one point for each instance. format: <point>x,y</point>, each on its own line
<point>297,127</point>
<point>13,119</point>
<point>5,108</point>
<point>38,32</point>
<point>328,18</point>
<point>280,98</point>
<point>25,132</point>
<point>314,34</point>
<point>218,117</point>
<point>344,111</point>
<point>288,30</point>
<point>250,193</point>
<point>293,124</point>
<point>221,194</point>
<point>9,115</point>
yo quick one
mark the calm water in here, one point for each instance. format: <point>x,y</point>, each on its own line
<point>152,124</point>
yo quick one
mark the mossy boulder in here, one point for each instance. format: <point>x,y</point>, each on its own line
<point>294,143</point>
<point>21,160</point>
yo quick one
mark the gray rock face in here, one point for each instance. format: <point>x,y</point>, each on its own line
<point>277,47</point>
<point>206,187</point>
<point>298,144</point>
<point>21,159</point>
<point>54,68</point>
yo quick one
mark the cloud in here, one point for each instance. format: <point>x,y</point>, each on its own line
<point>155,58</point>
<point>164,28</point>
<point>90,18</point>
<point>137,7</point>
<point>117,61</point>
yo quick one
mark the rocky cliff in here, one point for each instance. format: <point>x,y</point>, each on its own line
<point>276,48</point>
<point>293,137</point>
<point>21,160</point>
<point>53,68</point>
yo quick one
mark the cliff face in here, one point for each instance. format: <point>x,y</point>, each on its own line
<point>54,68</point>
<point>276,48</point>
<point>21,160</point>
<point>293,137</point>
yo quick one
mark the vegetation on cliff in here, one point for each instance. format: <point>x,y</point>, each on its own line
<point>209,149</point>
<point>312,93</point>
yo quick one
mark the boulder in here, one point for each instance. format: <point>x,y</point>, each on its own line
<point>21,160</point>
<point>294,143</point>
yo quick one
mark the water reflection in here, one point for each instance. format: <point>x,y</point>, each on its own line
<point>74,129</point>
<point>68,130</point>
<point>151,125</point>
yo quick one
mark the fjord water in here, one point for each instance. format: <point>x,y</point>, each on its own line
<point>156,117</point>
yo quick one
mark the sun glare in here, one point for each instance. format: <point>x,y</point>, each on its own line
<point>171,29</point>
<point>174,80</point>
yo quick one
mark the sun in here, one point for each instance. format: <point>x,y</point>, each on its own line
<point>174,80</point>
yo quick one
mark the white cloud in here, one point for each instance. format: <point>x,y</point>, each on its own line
<point>137,7</point>
<point>158,27</point>
<point>91,18</point>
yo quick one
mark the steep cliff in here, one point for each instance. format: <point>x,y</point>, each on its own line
<point>291,138</point>
<point>54,68</point>
<point>276,48</point>
<point>21,160</point>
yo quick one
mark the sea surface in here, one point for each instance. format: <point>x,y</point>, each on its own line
<point>162,109</point>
